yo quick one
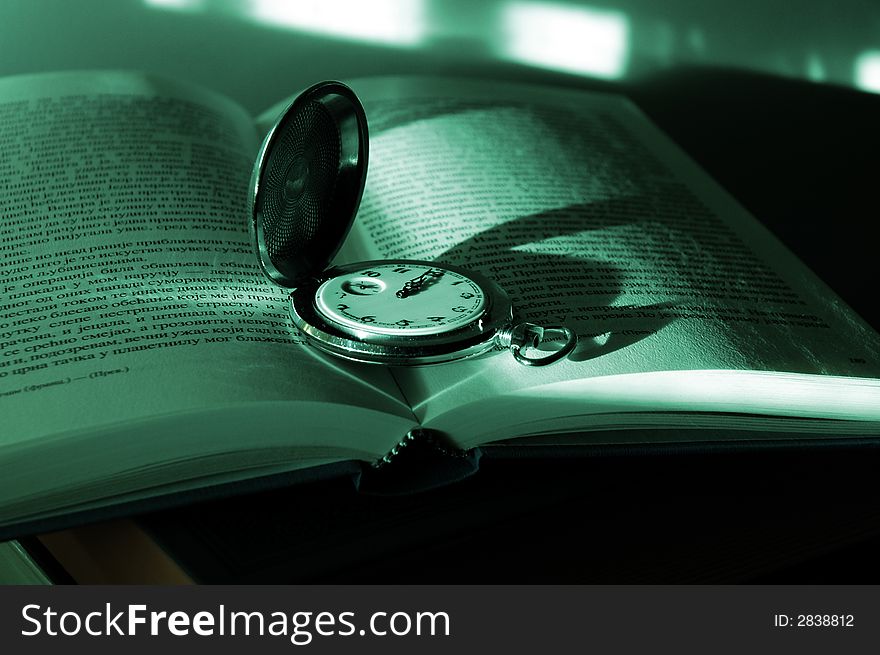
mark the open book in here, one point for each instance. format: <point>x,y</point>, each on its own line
<point>144,354</point>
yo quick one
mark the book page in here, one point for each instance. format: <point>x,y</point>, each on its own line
<point>130,290</point>
<point>590,217</point>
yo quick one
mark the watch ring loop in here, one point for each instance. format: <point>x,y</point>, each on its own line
<point>547,334</point>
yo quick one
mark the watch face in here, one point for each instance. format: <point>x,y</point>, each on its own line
<point>400,299</point>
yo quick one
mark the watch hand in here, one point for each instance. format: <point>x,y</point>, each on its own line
<point>415,285</point>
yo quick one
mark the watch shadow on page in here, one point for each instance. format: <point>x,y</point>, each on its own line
<point>557,269</point>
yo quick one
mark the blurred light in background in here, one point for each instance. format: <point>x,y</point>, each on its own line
<point>392,22</point>
<point>396,22</point>
<point>176,4</point>
<point>575,36</point>
<point>867,75</point>
<point>566,38</point>
<point>815,68</point>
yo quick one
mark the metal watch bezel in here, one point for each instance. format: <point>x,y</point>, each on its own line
<point>468,340</point>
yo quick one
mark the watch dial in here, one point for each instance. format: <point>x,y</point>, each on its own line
<point>400,299</point>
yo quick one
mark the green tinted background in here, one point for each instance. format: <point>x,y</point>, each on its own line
<point>261,50</point>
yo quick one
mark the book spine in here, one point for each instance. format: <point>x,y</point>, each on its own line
<point>424,440</point>
<point>423,459</point>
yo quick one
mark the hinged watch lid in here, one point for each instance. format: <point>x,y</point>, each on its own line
<point>307,183</point>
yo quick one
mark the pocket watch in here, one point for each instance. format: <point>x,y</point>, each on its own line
<point>304,195</point>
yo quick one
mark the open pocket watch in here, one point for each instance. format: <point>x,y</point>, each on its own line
<point>304,194</point>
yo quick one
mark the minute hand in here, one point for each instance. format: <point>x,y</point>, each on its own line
<point>414,285</point>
